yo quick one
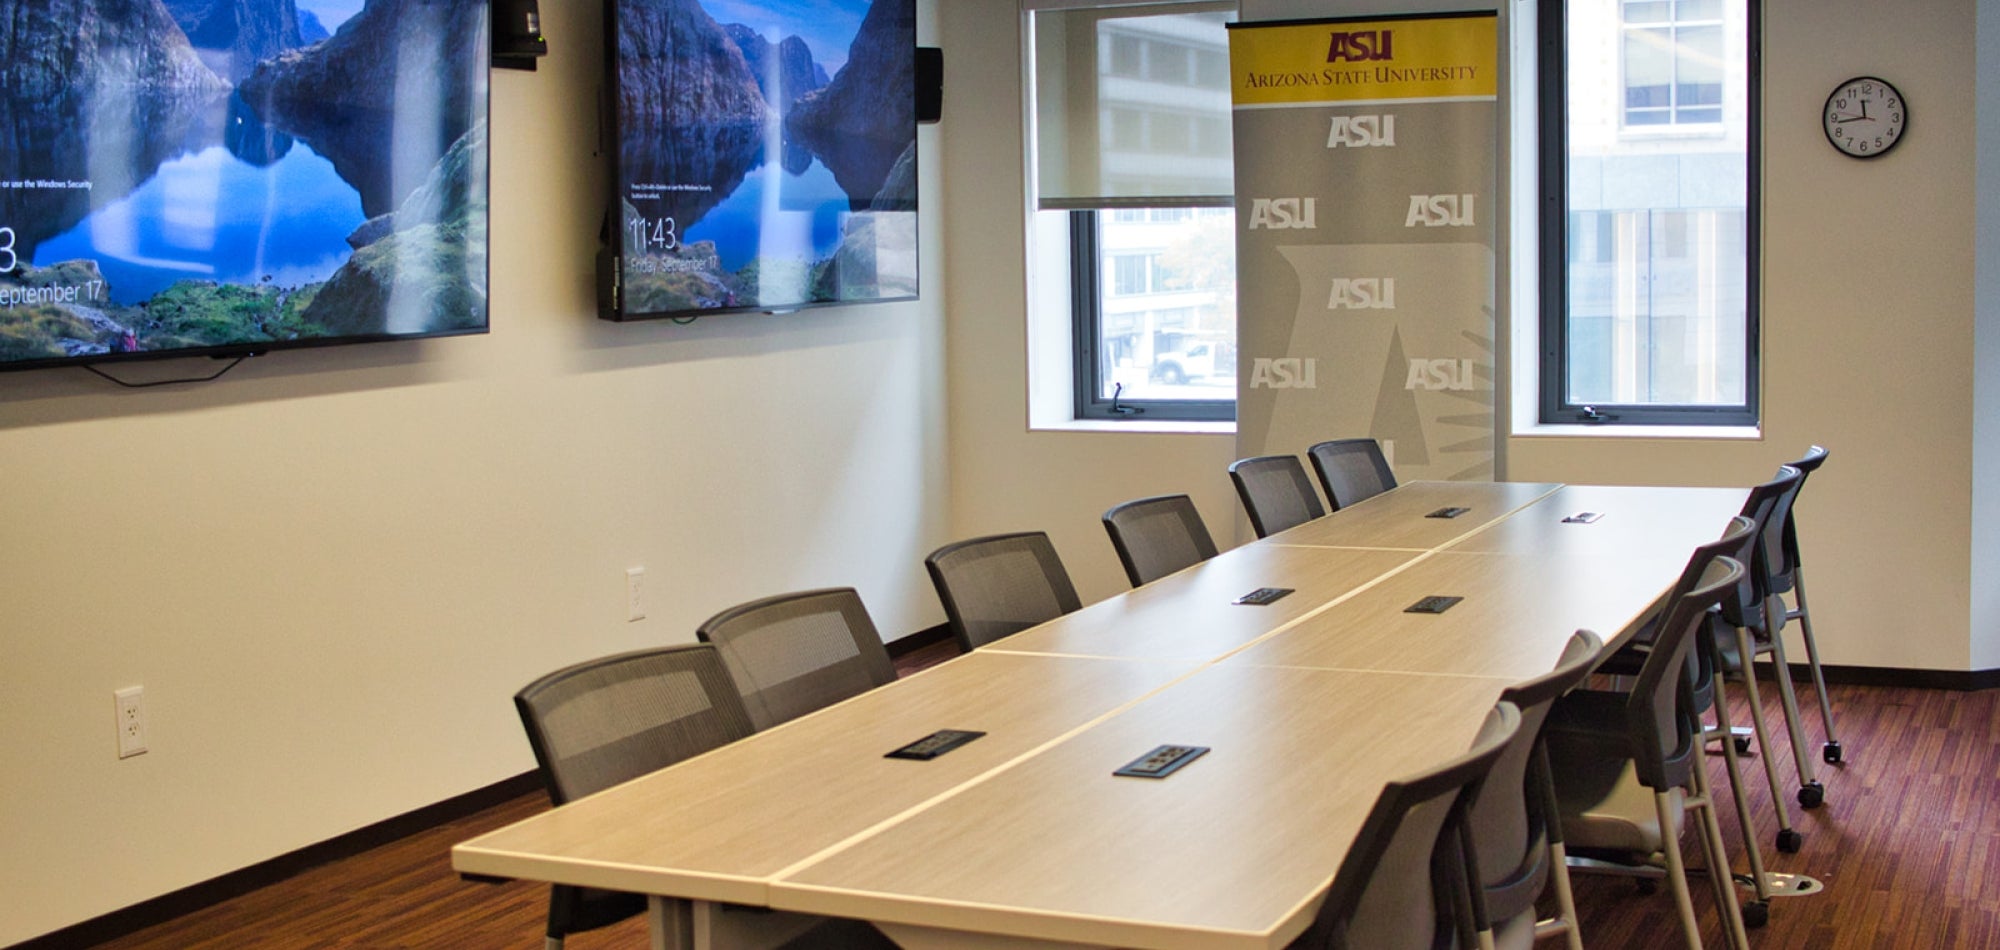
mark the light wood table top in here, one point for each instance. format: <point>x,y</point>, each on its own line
<point>1309,705</point>
<point>1233,850</point>
<point>1190,614</point>
<point>1396,518</point>
<point>1518,612</point>
<point>719,826</point>
<point>1632,518</point>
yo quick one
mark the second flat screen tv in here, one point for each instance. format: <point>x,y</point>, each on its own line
<point>764,155</point>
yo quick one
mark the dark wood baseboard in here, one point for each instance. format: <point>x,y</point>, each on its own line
<point>236,883</point>
<point>929,636</point>
<point>1958,680</point>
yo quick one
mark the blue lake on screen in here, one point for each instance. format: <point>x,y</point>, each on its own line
<point>211,216</point>
<point>801,222</point>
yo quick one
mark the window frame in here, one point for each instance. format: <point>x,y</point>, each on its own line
<point>1552,139</point>
<point>1087,336</point>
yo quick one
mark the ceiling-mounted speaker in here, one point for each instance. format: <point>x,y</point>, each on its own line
<point>517,34</point>
<point>930,83</point>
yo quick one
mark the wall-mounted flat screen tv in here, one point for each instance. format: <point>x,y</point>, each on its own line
<point>764,155</point>
<point>218,177</point>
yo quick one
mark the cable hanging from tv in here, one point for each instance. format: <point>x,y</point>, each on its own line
<point>169,382</point>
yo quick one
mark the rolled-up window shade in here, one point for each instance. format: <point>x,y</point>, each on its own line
<point>1132,106</point>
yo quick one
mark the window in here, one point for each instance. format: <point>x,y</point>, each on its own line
<point>1133,177</point>
<point>1163,339</point>
<point>1649,261</point>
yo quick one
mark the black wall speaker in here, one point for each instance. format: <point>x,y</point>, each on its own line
<point>517,34</point>
<point>930,83</point>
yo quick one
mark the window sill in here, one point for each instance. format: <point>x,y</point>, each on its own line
<point>1150,426</point>
<point>1614,431</point>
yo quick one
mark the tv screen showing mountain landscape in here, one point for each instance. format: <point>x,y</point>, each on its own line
<point>183,177</point>
<point>766,155</point>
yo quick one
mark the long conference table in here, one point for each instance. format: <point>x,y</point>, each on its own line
<point>1024,837</point>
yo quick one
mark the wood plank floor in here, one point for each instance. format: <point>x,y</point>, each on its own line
<point>1908,845</point>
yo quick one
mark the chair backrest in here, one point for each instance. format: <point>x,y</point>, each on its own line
<point>794,653</point>
<point>1769,505</point>
<point>1351,470</point>
<point>604,721</point>
<point>1275,492</point>
<point>1396,888</point>
<point>1000,585</point>
<point>1659,710</point>
<point>1781,575</point>
<point>1157,536</point>
<point>1509,819</point>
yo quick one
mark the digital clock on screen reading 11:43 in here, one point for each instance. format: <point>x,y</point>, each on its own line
<point>651,234</point>
<point>1865,117</point>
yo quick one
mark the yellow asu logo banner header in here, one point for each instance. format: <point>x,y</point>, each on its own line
<point>1296,64</point>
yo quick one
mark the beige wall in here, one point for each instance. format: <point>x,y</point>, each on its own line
<point>331,569</point>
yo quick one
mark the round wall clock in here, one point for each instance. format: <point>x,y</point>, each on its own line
<point>1865,117</point>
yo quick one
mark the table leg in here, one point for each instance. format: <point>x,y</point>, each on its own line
<point>670,922</point>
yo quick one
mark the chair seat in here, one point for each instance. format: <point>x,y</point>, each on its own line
<point>1604,806</point>
<point>1609,813</point>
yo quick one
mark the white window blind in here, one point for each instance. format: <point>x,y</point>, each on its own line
<point>1132,106</point>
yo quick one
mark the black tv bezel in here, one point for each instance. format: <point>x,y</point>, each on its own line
<point>611,253</point>
<point>249,348</point>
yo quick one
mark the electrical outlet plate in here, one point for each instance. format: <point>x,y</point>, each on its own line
<point>130,703</point>
<point>635,605</point>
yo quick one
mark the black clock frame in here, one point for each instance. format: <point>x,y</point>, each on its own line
<point>1864,156</point>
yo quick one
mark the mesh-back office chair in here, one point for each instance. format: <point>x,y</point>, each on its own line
<point>1351,470</point>
<point>1275,492</point>
<point>1402,885</point>
<point>604,721</point>
<point>794,653</point>
<point>1000,585</point>
<point>1515,830</point>
<point>1157,536</point>
<point>1612,750</point>
<point>1788,577</point>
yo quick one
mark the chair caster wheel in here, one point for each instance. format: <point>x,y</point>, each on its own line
<point>1742,745</point>
<point>1831,753</point>
<point>1789,840</point>
<point>1811,795</point>
<point>1756,914</point>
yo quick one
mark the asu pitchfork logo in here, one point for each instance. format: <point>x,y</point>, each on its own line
<point>1361,46</point>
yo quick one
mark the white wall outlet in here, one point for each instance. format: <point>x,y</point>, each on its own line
<point>635,604</point>
<point>131,706</point>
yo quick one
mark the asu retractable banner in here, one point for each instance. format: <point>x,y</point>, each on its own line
<point>1365,177</point>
